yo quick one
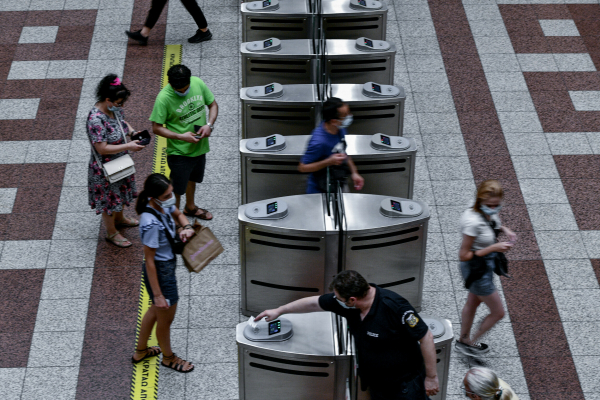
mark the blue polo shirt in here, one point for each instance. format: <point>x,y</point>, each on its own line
<point>319,148</point>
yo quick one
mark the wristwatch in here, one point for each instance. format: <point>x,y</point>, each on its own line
<point>211,126</point>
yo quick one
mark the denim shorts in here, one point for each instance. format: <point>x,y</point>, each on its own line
<point>165,271</point>
<point>485,285</point>
<point>411,390</point>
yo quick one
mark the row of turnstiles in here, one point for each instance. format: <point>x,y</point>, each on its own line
<point>295,55</point>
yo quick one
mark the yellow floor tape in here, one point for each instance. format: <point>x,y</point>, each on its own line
<point>144,382</point>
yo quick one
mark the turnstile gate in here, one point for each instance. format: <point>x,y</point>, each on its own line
<point>290,246</point>
<point>360,60</point>
<point>294,111</point>
<point>287,19</point>
<point>349,19</point>
<point>269,174</point>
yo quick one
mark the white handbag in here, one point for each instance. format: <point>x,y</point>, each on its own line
<point>118,168</point>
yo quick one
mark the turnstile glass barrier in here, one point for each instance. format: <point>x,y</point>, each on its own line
<point>293,246</point>
<point>270,165</point>
<point>349,19</point>
<point>284,19</point>
<point>360,60</point>
<point>288,109</point>
<point>376,107</point>
<point>311,364</point>
<point>286,62</point>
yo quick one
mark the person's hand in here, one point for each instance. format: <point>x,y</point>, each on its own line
<point>134,146</point>
<point>336,159</point>
<point>185,234</point>
<point>432,386</point>
<point>270,314</point>
<point>189,137</point>
<point>502,246</point>
<point>512,237</point>
<point>161,302</point>
<point>204,131</point>
<point>358,180</point>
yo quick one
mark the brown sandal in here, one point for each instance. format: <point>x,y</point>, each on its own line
<point>119,243</point>
<point>177,363</point>
<point>150,352</point>
<point>193,212</point>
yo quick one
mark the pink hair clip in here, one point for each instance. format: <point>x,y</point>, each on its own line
<point>116,82</point>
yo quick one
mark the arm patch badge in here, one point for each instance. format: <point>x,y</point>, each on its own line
<point>410,319</point>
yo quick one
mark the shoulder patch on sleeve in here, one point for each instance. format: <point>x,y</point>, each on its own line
<point>409,318</point>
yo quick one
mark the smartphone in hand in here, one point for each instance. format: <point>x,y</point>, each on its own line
<point>143,137</point>
<point>196,129</point>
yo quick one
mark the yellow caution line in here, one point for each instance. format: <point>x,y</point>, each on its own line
<point>144,382</point>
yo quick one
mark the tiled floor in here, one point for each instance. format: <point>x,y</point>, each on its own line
<point>505,89</point>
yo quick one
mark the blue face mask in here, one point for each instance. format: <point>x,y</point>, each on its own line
<point>167,203</point>
<point>182,94</point>
<point>346,122</point>
<point>341,303</point>
<point>490,211</point>
<point>115,108</point>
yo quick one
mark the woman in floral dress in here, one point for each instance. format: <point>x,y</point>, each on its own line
<point>108,198</point>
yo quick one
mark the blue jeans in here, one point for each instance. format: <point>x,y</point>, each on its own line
<point>485,285</point>
<point>165,272</point>
<point>411,390</point>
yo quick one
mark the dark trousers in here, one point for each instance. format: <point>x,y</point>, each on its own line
<point>411,390</point>
<point>190,5</point>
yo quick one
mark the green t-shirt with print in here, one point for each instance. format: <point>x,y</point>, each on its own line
<point>181,113</point>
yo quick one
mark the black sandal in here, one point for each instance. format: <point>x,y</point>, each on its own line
<point>177,364</point>
<point>193,212</point>
<point>150,352</point>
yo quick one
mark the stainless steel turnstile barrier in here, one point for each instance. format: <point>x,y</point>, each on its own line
<point>442,337</point>
<point>348,19</point>
<point>290,246</point>
<point>385,241</point>
<point>312,364</point>
<point>372,113</point>
<point>284,61</point>
<point>295,111</point>
<point>288,19</point>
<point>351,61</point>
<point>269,174</point>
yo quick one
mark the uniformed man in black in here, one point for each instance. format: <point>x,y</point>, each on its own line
<point>396,353</point>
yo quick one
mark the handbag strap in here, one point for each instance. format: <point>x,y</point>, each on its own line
<point>167,232</point>
<point>492,225</point>
<point>95,152</point>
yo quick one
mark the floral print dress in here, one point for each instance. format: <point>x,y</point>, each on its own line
<point>106,197</point>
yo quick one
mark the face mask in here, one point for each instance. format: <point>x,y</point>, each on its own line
<point>167,203</point>
<point>115,108</point>
<point>182,94</point>
<point>346,122</point>
<point>490,211</point>
<point>341,303</point>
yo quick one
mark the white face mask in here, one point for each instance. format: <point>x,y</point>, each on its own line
<point>490,211</point>
<point>347,121</point>
<point>167,203</point>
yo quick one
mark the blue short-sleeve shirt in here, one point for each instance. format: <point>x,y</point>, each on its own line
<point>152,232</point>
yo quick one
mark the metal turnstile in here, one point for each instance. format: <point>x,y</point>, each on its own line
<point>359,61</point>
<point>385,241</point>
<point>269,174</point>
<point>313,364</point>
<point>372,113</point>
<point>348,19</point>
<point>296,111</point>
<point>442,338</point>
<point>287,62</point>
<point>285,258</point>
<point>288,19</point>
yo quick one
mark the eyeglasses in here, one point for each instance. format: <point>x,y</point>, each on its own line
<point>337,298</point>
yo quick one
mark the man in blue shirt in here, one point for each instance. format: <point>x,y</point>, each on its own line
<point>320,152</point>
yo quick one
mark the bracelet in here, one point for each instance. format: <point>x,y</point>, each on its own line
<point>188,226</point>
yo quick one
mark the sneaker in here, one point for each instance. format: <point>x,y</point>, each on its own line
<point>474,350</point>
<point>138,37</point>
<point>201,36</point>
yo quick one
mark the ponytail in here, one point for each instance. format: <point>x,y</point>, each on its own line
<point>154,186</point>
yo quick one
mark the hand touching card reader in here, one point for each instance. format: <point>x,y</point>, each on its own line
<point>263,331</point>
<point>269,209</point>
<point>372,89</point>
<point>267,144</point>
<point>379,141</point>
<point>263,5</point>
<point>270,91</point>
<point>270,44</point>
<point>365,4</point>
<point>397,208</point>
<point>366,44</point>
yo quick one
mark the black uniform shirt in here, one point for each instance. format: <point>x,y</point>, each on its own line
<point>387,339</point>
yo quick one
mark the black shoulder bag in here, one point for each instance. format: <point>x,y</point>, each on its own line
<point>176,244</point>
<point>337,173</point>
<point>501,268</point>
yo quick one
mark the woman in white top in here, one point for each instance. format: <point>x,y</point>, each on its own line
<point>483,384</point>
<point>477,255</point>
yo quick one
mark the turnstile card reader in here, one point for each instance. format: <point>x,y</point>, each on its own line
<point>275,209</point>
<point>271,174</point>
<point>366,44</point>
<point>295,112</point>
<point>372,114</point>
<point>266,144</point>
<point>382,142</point>
<point>287,19</point>
<point>270,91</point>
<point>266,5</point>
<point>400,208</point>
<point>263,331</point>
<point>348,63</point>
<point>292,62</point>
<point>366,4</point>
<point>378,90</point>
<point>349,19</point>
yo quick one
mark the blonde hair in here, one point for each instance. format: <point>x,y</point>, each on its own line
<point>487,190</point>
<point>485,383</point>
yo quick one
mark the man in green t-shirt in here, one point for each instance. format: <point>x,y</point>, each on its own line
<point>181,107</point>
